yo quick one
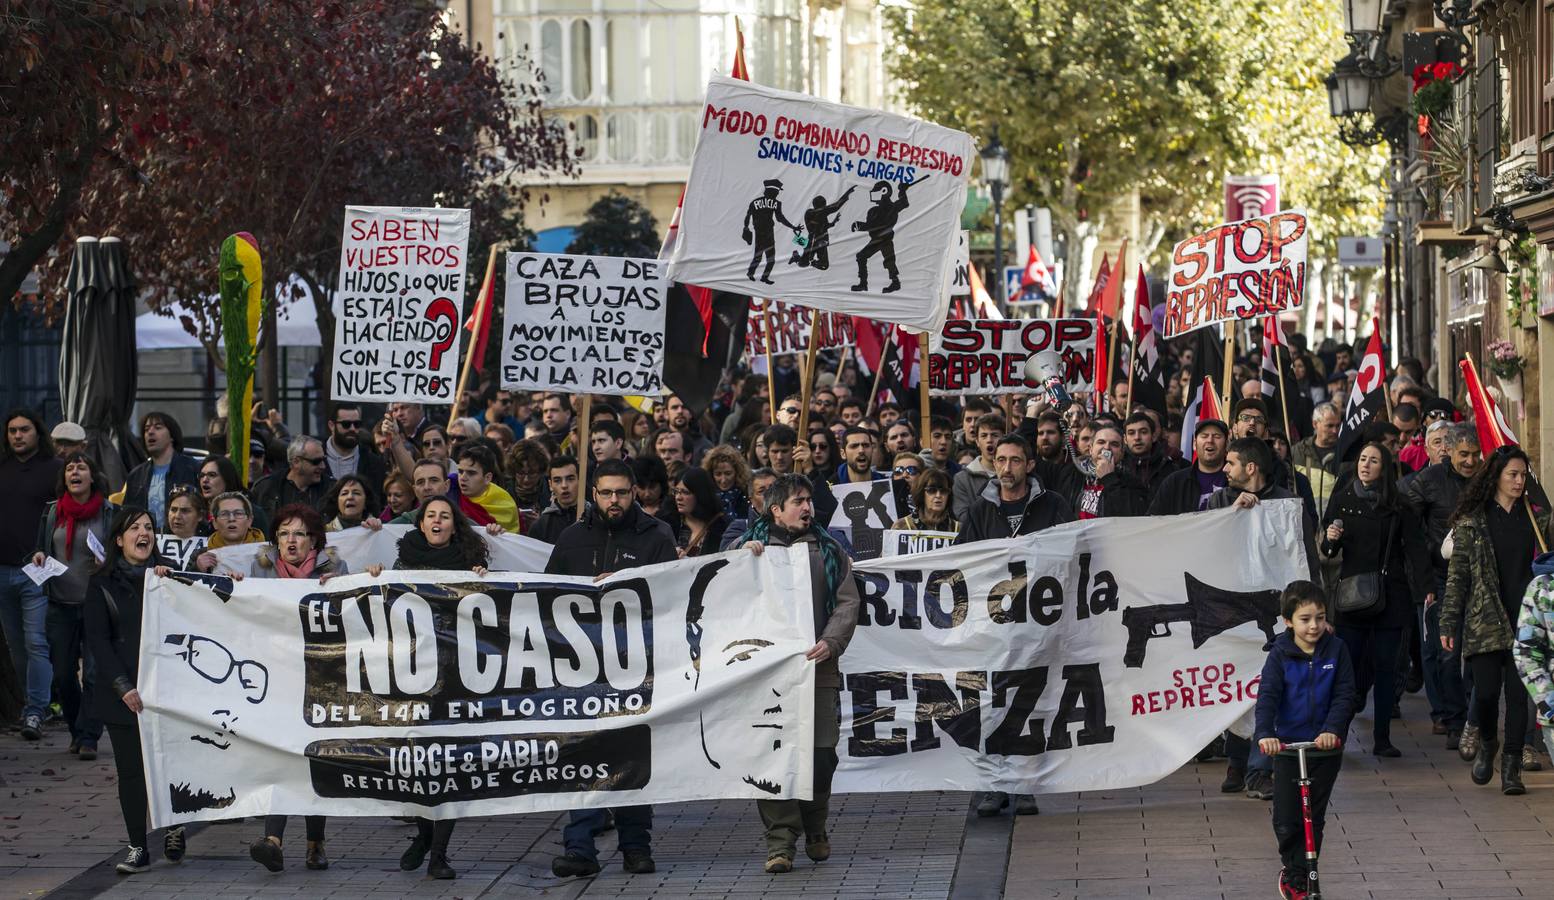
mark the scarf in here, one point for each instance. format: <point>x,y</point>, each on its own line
<point>830,554</point>
<point>254,536</point>
<point>303,569</point>
<point>72,511</point>
<point>415,552</point>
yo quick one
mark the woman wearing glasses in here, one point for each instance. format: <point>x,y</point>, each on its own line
<point>218,475</point>
<point>823,454</point>
<point>930,505</point>
<point>296,550</point>
<point>702,520</point>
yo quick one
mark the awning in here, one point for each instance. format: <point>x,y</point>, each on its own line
<point>298,325</point>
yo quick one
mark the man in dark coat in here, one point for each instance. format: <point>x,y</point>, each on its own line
<point>1147,458</point>
<point>1014,502</point>
<point>1188,490</point>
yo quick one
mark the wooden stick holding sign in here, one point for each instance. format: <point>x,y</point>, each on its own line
<point>879,372</point>
<point>772,400</point>
<point>807,383</point>
<point>583,453</point>
<point>487,290</point>
<point>1230,362</point>
<point>922,391</point>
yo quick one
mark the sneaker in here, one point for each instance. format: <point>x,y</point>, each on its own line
<point>32,728</point>
<point>1259,785</point>
<point>817,848</point>
<point>1291,885</point>
<point>1235,781</point>
<point>136,860</point>
<point>174,844</point>
<point>1025,805</point>
<point>1467,745</point>
<point>267,853</point>
<point>639,862</point>
<point>779,865</point>
<point>87,751</point>
<point>573,865</point>
<point>1530,761</point>
<point>992,803</point>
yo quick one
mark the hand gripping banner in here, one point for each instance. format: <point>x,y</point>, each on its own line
<point>446,694</point>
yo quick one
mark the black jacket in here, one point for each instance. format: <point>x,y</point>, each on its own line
<point>183,469</point>
<point>1122,495</point>
<point>1152,468</point>
<point>1433,495</point>
<point>113,636</point>
<point>275,490</point>
<point>1377,539</point>
<point>552,522</point>
<point>592,547</point>
<point>985,521</point>
<point>1177,494</point>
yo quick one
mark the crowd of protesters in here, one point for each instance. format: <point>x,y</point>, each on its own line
<point>1415,514</point>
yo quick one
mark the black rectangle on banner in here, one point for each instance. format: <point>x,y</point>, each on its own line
<point>432,771</point>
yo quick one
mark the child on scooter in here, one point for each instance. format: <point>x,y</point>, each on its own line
<point>1307,693</point>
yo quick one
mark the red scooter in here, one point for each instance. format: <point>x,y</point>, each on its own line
<point>1313,892</point>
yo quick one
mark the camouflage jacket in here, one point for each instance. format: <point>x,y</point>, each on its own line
<point>1473,589</point>
<point>1534,649</point>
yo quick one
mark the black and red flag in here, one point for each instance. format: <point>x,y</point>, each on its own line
<point>1148,368</point>
<point>1367,398</point>
<point>1208,366</point>
<point>882,344</point>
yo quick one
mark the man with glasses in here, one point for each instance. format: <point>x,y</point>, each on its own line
<point>434,445</point>
<point>822,405</point>
<point>1420,454</point>
<point>306,479</point>
<point>1249,419</point>
<point>788,411</point>
<point>346,453</point>
<point>499,410</point>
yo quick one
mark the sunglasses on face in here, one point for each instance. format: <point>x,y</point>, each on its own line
<point>348,424</point>
<point>906,470</point>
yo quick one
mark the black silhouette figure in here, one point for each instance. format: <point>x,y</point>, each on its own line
<point>818,221</point>
<point>762,211</point>
<point>880,223</point>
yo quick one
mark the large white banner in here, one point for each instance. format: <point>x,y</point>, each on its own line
<point>591,324</point>
<point>361,548</point>
<point>446,695</point>
<point>1095,655</point>
<point>829,206</point>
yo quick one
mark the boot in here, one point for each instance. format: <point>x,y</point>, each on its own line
<point>992,803</point>
<point>1511,775</point>
<point>415,854</point>
<point>316,859</point>
<point>437,867</point>
<point>1484,763</point>
<point>267,852</point>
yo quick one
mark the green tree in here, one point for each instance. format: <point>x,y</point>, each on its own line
<point>616,226</point>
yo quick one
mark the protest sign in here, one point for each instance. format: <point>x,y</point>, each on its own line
<point>1091,656</point>
<point>179,553</point>
<point>987,356</point>
<point>359,548</point>
<point>901,542</point>
<point>791,327</point>
<point>398,304</point>
<point>863,511</point>
<point>447,694</point>
<point>591,324</point>
<point>958,283</point>
<point>829,206</point>
<point>1238,271</point>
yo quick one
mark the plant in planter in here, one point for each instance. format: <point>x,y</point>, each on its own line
<point>1433,88</point>
<point>1504,361</point>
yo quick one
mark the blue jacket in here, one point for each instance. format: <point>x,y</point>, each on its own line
<point>1302,696</point>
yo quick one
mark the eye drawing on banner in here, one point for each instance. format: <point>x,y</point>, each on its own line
<point>1209,610</point>
<point>819,219</point>
<point>880,223</point>
<point>237,682</point>
<point>748,740</point>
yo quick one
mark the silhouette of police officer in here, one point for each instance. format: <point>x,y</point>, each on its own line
<point>880,223</point>
<point>761,213</point>
<point>817,222</point>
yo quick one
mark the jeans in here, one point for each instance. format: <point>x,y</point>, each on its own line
<point>1244,754</point>
<point>24,614</point>
<point>633,826</point>
<point>1443,674</point>
<point>1375,654</point>
<point>68,653</point>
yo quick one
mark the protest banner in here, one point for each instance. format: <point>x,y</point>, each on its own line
<point>863,511</point>
<point>901,542</point>
<point>179,553</point>
<point>447,694</point>
<point>791,327</point>
<point>987,356</point>
<point>1091,656</point>
<point>398,304</point>
<point>590,324</point>
<point>360,547</point>
<point>829,206</point>
<point>1238,271</point>
<point>958,277</point>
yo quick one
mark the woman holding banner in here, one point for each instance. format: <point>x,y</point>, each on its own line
<point>114,599</point>
<point>345,506</point>
<point>296,550</point>
<point>443,538</point>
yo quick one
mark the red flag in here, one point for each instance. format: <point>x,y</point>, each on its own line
<point>480,331</point>
<point>1037,276</point>
<point>1099,288</point>
<point>1493,431</point>
<point>739,71</point>
<point>1273,332</point>
<point>1111,298</point>
<point>1102,362</point>
<point>1209,407</point>
<point>982,303</point>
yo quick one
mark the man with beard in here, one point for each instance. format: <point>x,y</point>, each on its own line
<point>613,534</point>
<point>1049,438</point>
<point>682,420</point>
<point>1147,457</point>
<point>165,468</point>
<point>304,480</point>
<point>900,437</point>
<point>1111,491</point>
<point>1188,490</point>
<point>345,453</point>
<point>789,521</point>
<point>858,456</point>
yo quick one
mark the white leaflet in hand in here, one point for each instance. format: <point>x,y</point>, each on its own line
<point>40,574</point>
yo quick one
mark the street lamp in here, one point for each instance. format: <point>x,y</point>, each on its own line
<point>1364,15</point>
<point>995,175</point>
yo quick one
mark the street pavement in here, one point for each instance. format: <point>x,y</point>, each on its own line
<point>1410,827</point>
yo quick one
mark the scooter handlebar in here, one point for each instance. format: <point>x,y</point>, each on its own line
<point>1303,745</point>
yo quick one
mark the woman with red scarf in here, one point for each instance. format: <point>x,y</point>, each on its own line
<point>296,550</point>
<point>73,531</point>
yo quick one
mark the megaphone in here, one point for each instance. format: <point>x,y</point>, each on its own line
<point>1043,366</point>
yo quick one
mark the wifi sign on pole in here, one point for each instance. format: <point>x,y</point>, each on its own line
<point>1250,196</point>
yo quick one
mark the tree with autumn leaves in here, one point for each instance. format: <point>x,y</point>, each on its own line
<point>193,120</point>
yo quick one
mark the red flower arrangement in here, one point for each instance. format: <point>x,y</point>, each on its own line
<point>1432,87</point>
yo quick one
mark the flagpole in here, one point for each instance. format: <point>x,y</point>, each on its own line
<point>922,391</point>
<point>1386,389</point>
<point>771,371</point>
<point>584,452</point>
<point>1111,365</point>
<point>879,371</point>
<point>1230,360</point>
<point>1284,397</point>
<point>807,384</point>
<point>1489,410</point>
<point>487,288</point>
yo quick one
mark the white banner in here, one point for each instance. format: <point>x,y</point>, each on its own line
<point>987,356</point>
<point>1237,272</point>
<point>830,206</point>
<point>361,548</point>
<point>792,326</point>
<point>399,303</point>
<point>958,277</point>
<point>447,695</point>
<point>177,552</point>
<point>1091,656</point>
<point>901,542</point>
<point>592,324</point>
